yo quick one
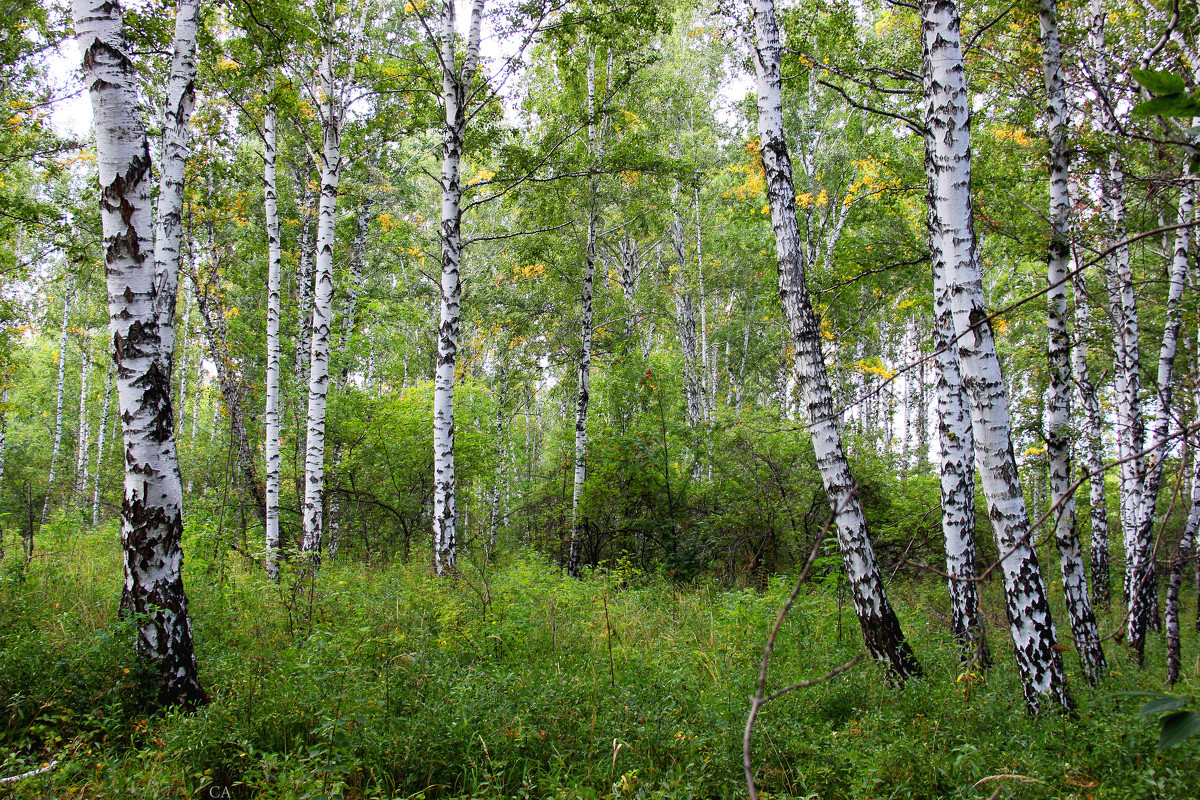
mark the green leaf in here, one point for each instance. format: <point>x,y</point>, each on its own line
<point>1158,81</point>
<point>1163,704</point>
<point>1177,727</point>
<point>1169,105</point>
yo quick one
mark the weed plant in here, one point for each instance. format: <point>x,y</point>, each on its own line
<point>515,682</point>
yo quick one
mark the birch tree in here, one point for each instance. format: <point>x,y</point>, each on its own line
<point>457,80</point>
<point>948,116</point>
<point>271,449</point>
<point>880,627</point>
<point>58,402</point>
<point>1058,403</point>
<point>583,395</point>
<point>151,512</point>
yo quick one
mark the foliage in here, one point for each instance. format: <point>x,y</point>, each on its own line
<point>411,686</point>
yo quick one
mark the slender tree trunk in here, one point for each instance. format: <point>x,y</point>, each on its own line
<point>304,280</point>
<point>1184,555</point>
<point>685,321</point>
<point>58,403</point>
<point>957,459</point>
<point>152,511</point>
<point>1058,356</point>
<point>948,115</point>
<point>456,84</point>
<point>1142,581</point>
<point>83,430</point>
<point>322,316</point>
<point>4,430</point>
<point>583,397</point>
<point>358,258</point>
<point>1093,465</point>
<point>103,429</point>
<point>273,458</point>
<point>181,420</point>
<point>880,627</point>
<point>231,391</point>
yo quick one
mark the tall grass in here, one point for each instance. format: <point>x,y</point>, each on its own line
<point>514,682</point>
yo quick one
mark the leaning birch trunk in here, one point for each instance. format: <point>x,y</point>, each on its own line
<point>957,461</point>
<point>1142,574</point>
<point>880,627</point>
<point>583,397</point>
<point>58,403</point>
<point>152,521</point>
<point>948,114</point>
<point>103,429</point>
<point>322,313</point>
<point>272,457</point>
<point>83,430</point>
<point>456,84</point>
<point>1058,357</point>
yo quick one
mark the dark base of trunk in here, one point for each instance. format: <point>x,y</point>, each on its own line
<point>886,643</point>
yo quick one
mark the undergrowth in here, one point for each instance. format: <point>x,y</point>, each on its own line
<point>514,682</point>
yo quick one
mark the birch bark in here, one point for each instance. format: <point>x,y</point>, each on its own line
<point>322,314</point>
<point>456,86</point>
<point>583,396</point>
<point>948,114</point>
<point>1142,573</point>
<point>880,627</point>
<point>272,457</point>
<point>58,402</point>
<point>83,430</point>
<point>152,510</point>
<point>1058,402</point>
<point>103,429</point>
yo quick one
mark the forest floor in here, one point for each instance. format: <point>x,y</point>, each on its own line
<point>514,682</point>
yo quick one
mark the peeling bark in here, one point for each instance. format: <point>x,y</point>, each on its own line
<point>881,629</point>
<point>948,115</point>
<point>152,521</point>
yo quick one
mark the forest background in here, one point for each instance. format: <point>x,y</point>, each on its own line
<point>497,452</point>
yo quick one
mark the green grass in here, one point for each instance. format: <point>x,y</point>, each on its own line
<point>392,684</point>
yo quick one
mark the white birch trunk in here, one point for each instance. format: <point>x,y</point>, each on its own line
<point>272,456</point>
<point>83,430</point>
<point>1184,555</point>
<point>358,258</point>
<point>456,84</point>
<point>685,322</point>
<point>1142,574</point>
<point>1094,463</point>
<point>103,429</point>
<point>948,113</point>
<point>4,432</point>
<point>181,417</point>
<point>881,629</point>
<point>1123,307</point>
<point>58,402</point>
<point>304,281</point>
<point>168,228</point>
<point>322,316</point>
<point>957,457</point>
<point>1058,356</point>
<point>583,396</point>
<point>151,514</point>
